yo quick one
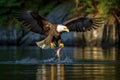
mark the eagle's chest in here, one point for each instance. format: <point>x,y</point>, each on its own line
<point>54,32</point>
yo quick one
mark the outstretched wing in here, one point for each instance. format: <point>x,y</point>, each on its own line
<point>83,24</point>
<point>33,22</point>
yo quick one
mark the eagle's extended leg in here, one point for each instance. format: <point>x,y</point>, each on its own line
<point>52,45</point>
<point>61,45</point>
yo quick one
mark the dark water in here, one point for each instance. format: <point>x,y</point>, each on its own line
<point>32,63</point>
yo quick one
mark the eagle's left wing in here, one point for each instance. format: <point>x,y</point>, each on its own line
<point>82,24</point>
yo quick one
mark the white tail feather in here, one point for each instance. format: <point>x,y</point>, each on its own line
<point>42,44</point>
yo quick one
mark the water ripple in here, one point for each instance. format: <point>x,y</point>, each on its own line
<point>29,60</point>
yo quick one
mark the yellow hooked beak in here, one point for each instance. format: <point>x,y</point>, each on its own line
<point>67,30</point>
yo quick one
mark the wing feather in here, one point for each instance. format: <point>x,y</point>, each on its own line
<point>83,24</point>
<point>32,21</point>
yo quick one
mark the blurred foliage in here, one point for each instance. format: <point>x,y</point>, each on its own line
<point>109,6</point>
<point>89,4</point>
<point>8,8</point>
<point>106,6</point>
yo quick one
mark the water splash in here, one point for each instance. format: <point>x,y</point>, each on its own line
<point>29,60</point>
<point>59,60</point>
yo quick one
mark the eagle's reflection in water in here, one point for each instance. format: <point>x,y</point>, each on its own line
<point>50,72</point>
<point>76,71</point>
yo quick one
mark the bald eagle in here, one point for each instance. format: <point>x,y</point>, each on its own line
<point>34,22</point>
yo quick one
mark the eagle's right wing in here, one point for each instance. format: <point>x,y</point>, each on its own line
<point>33,22</point>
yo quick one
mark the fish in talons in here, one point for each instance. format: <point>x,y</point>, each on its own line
<point>58,52</point>
<point>61,46</point>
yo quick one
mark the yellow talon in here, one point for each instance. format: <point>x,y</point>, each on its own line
<point>52,45</point>
<point>61,45</point>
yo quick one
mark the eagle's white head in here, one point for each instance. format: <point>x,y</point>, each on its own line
<point>62,28</point>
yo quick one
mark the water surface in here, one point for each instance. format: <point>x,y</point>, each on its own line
<point>33,63</point>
